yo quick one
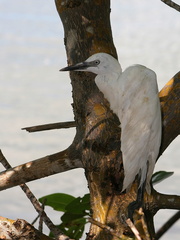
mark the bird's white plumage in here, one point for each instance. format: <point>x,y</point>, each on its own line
<point>133,97</point>
<point>140,117</point>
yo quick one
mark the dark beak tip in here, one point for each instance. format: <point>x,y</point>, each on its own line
<point>77,67</point>
<point>63,69</point>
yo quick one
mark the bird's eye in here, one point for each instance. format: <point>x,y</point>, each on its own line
<point>97,62</point>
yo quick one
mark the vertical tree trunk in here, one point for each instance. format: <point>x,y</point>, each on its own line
<point>88,31</point>
<point>97,141</point>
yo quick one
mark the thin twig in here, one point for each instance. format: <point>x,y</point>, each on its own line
<point>168,225</point>
<point>133,229</point>
<point>104,226</point>
<point>172,4</point>
<point>41,217</point>
<point>50,126</point>
<point>35,220</point>
<point>57,233</point>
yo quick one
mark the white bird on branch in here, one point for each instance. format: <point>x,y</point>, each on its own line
<point>133,97</point>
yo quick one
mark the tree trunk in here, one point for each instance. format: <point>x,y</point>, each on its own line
<point>97,141</point>
<point>87,31</point>
<point>96,146</point>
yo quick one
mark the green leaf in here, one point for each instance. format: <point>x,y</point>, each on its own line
<point>68,217</point>
<point>86,201</point>
<point>75,210</point>
<point>74,229</point>
<point>79,205</point>
<point>58,201</point>
<point>160,176</point>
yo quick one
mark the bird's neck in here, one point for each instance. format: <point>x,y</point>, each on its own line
<point>108,85</point>
<point>104,81</point>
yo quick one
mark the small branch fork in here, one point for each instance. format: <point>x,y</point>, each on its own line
<point>57,233</point>
<point>129,223</point>
<point>172,4</point>
<point>104,226</point>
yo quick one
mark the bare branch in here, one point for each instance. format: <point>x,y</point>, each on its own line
<point>40,226</point>
<point>19,229</point>
<point>172,4</point>
<point>57,233</point>
<point>50,126</point>
<point>159,201</point>
<point>43,167</point>
<point>170,105</point>
<point>133,229</point>
<point>168,201</point>
<point>168,225</point>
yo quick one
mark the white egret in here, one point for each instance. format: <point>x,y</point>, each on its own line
<point>133,97</point>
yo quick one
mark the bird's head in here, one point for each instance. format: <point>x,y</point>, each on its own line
<point>99,63</point>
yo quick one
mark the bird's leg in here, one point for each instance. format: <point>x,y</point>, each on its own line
<point>138,202</point>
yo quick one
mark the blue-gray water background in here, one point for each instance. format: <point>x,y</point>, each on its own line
<point>33,91</point>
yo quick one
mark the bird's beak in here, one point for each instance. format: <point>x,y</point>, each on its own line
<point>77,67</point>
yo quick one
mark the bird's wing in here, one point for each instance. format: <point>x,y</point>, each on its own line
<point>139,109</point>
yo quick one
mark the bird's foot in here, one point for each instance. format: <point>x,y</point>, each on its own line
<point>132,207</point>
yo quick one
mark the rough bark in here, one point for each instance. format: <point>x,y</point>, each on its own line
<point>87,31</point>
<point>43,167</point>
<point>96,146</point>
<point>19,229</point>
<point>170,106</point>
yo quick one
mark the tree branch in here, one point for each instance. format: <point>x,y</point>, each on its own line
<point>170,105</point>
<point>19,229</point>
<point>165,201</point>
<point>157,201</point>
<point>43,167</point>
<point>133,229</point>
<point>50,126</point>
<point>167,225</point>
<point>172,4</point>
<point>55,230</point>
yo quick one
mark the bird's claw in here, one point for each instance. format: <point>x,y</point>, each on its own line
<point>132,207</point>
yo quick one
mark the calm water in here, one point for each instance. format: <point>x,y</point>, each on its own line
<point>34,92</point>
